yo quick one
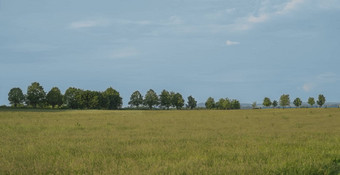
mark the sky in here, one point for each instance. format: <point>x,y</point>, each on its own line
<point>240,49</point>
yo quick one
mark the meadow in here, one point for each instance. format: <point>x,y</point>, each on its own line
<point>268,141</point>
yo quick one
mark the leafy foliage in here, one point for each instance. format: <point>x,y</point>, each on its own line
<point>165,99</point>
<point>297,102</point>
<point>321,100</point>
<point>192,103</point>
<point>284,100</point>
<point>16,97</point>
<point>151,99</point>
<point>210,103</point>
<point>54,97</point>
<point>35,95</point>
<point>311,101</point>
<point>267,102</point>
<point>136,99</point>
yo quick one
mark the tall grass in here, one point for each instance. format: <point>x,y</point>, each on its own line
<point>290,141</point>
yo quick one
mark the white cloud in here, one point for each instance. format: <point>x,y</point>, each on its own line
<point>290,6</point>
<point>230,43</point>
<point>308,87</point>
<point>258,19</point>
<point>88,24</point>
<point>124,53</point>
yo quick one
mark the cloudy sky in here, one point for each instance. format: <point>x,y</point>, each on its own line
<point>239,49</point>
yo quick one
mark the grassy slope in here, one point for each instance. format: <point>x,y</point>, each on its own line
<point>290,141</point>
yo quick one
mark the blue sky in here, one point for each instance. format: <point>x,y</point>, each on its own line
<point>239,49</point>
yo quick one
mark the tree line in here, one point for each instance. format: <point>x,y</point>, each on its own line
<point>74,98</point>
<point>285,101</point>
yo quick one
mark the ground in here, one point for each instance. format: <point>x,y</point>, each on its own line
<point>268,141</point>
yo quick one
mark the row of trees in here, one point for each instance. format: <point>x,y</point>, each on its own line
<point>285,101</point>
<point>165,100</point>
<point>73,98</point>
<point>223,103</point>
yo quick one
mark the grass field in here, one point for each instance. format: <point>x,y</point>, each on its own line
<point>289,141</point>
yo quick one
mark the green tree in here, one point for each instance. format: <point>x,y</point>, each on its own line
<point>267,102</point>
<point>172,99</point>
<point>192,103</point>
<point>89,99</point>
<point>35,95</point>
<point>220,104</point>
<point>235,104</point>
<point>275,103</point>
<point>165,99</point>
<point>136,99</point>
<point>284,100</point>
<point>54,97</point>
<point>210,103</point>
<point>178,101</point>
<point>311,101</point>
<point>254,105</point>
<point>321,100</point>
<point>72,98</point>
<point>16,97</point>
<point>151,99</point>
<point>297,102</point>
<point>113,99</point>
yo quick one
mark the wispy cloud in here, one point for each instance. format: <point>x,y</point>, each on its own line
<point>246,23</point>
<point>88,23</point>
<point>230,43</point>
<point>124,53</point>
<point>320,80</point>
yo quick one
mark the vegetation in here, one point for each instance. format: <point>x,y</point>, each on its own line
<point>151,99</point>
<point>54,97</point>
<point>267,102</point>
<point>136,99</point>
<point>292,141</point>
<point>297,102</point>
<point>321,100</point>
<point>284,100</point>
<point>311,101</point>
<point>16,97</point>
<point>192,103</point>
<point>275,103</point>
<point>35,95</point>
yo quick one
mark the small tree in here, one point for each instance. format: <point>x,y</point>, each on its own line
<point>284,100</point>
<point>72,98</point>
<point>321,100</point>
<point>112,98</point>
<point>178,101</point>
<point>275,103</point>
<point>235,104</point>
<point>151,99</point>
<point>311,101</point>
<point>297,102</point>
<point>267,102</point>
<point>220,104</point>
<point>16,97</point>
<point>165,99</point>
<point>136,99</point>
<point>54,97</point>
<point>210,103</point>
<point>192,103</point>
<point>254,105</point>
<point>35,95</point>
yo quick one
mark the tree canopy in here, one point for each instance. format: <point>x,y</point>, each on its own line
<point>16,97</point>
<point>35,95</point>
<point>284,100</point>
<point>54,97</point>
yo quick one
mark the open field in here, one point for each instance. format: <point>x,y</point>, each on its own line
<point>273,141</point>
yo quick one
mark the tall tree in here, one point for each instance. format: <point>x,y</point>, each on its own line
<point>267,102</point>
<point>72,98</point>
<point>172,99</point>
<point>54,97</point>
<point>284,100</point>
<point>16,97</point>
<point>220,104</point>
<point>210,103</point>
<point>165,99</point>
<point>192,103</point>
<point>275,103</point>
<point>114,101</point>
<point>136,99</point>
<point>311,101</point>
<point>321,100</point>
<point>297,102</point>
<point>178,101</point>
<point>235,104</point>
<point>151,99</point>
<point>35,95</point>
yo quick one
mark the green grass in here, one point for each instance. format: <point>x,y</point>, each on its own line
<point>289,141</point>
